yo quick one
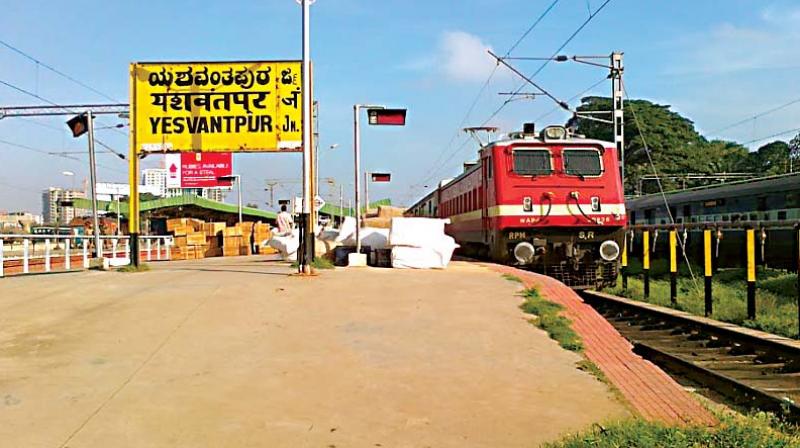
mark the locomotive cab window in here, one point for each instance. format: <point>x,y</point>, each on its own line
<point>532,162</point>
<point>582,162</point>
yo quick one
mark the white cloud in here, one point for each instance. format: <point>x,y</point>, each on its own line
<point>771,43</point>
<point>463,57</point>
<point>459,56</point>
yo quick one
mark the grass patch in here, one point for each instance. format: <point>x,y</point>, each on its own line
<point>143,267</point>
<point>754,431</point>
<point>776,304</point>
<point>322,263</point>
<point>317,263</point>
<point>512,278</point>
<point>548,317</point>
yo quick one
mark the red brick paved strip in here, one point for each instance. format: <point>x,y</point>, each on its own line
<point>650,391</point>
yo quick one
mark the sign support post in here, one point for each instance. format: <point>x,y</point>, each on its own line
<point>304,261</point>
<point>98,248</point>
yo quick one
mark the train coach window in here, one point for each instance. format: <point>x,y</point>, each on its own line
<point>532,162</point>
<point>582,162</point>
<point>781,215</point>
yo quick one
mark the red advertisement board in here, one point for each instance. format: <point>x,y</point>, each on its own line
<point>199,170</point>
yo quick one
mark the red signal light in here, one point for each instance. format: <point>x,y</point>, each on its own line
<point>390,117</point>
<point>381,177</point>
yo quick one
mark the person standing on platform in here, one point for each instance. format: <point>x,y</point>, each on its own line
<point>285,222</point>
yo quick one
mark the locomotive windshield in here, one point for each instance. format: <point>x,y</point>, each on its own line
<point>582,162</point>
<point>532,162</point>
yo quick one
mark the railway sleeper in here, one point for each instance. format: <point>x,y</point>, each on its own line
<point>736,391</point>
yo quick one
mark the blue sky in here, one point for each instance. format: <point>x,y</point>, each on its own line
<point>714,61</point>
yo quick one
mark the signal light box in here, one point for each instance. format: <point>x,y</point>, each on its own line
<point>381,177</point>
<point>388,117</point>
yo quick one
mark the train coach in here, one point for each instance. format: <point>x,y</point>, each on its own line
<point>551,202</point>
<point>769,204</point>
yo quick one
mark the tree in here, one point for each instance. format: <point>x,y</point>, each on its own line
<point>251,205</point>
<point>768,160</point>
<point>794,154</point>
<point>676,148</point>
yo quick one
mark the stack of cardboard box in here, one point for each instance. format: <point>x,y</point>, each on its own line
<point>215,236</point>
<point>188,235</point>
<point>262,233</point>
<point>197,239</point>
<point>232,241</point>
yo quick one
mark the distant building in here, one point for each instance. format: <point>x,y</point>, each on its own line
<point>215,194</point>
<point>156,178</point>
<point>52,208</point>
<point>111,191</point>
<point>16,221</point>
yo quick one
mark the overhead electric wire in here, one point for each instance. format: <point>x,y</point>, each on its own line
<point>522,85</point>
<point>58,72</point>
<point>547,61</point>
<point>639,128</point>
<point>573,98</point>
<point>34,95</point>
<point>56,154</point>
<point>55,70</point>
<point>477,98</point>
<point>756,116</point>
<point>41,151</point>
<point>788,131</point>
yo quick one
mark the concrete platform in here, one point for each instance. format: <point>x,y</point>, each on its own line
<point>649,390</point>
<point>233,352</point>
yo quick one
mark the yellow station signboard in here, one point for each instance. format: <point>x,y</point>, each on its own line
<point>217,106</point>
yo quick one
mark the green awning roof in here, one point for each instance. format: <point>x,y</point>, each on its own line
<point>177,201</point>
<point>335,210</point>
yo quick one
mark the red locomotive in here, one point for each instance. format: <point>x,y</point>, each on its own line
<point>552,202</point>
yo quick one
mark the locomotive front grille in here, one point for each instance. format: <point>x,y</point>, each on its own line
<point>587,275</point>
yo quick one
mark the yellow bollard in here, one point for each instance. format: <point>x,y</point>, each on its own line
<point>646,261</point>
<point>708,269</point>
<point>673,266</point>
<point>625,263</point>
<point>751,274</point>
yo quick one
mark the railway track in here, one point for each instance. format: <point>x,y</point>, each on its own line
<point>750,368</point>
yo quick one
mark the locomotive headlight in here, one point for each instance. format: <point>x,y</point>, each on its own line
<point>609,250</point>
<point>524,252</point>
<point>595,203</point>
<point>527,204</point>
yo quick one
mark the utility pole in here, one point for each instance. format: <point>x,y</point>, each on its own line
<point>98,248</point>
<point>306,255</point>
<point>239,190</point>
<point>357,157</point>
<point>618,95</point>
<point>366,192</point>
<point>270,187</point>
<point>341,204</point>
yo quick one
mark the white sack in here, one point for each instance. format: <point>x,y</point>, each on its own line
<point>433,257</point>
<point>286,245</point>
<point>417,232</point>
<point>347,229</point>
<point>370,236</point>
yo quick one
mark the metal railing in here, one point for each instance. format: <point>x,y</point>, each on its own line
<point>21,253</point>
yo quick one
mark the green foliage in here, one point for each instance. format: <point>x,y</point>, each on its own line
<point>548,318</point>
<point>128,268</point>
<point>512,278</point>
<point>776,305</point>
<point>675,146</point>
<point>317,263</point>
<point>757,431</point>
<point>321,263</point>
<point>770,159</point>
